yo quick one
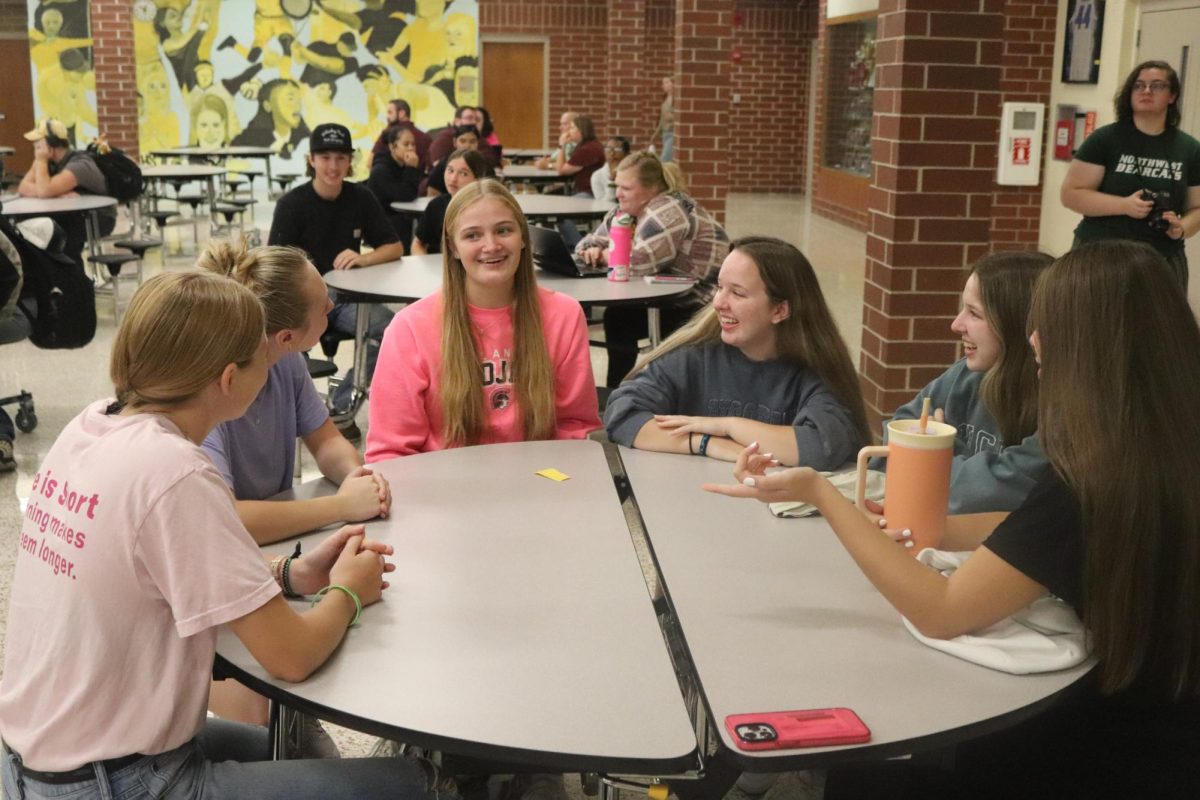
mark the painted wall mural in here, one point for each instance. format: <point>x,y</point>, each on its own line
<point>60,54</point>
<point>265,72</point>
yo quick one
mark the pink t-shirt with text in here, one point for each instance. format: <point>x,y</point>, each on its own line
<point>131,555</point>
<point>406,408</point>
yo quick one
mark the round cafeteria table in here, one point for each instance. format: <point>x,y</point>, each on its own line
<point>86,204</point>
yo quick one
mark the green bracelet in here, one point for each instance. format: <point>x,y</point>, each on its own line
<point>349,593</point>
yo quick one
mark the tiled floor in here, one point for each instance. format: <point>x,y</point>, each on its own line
<point>62,381</point>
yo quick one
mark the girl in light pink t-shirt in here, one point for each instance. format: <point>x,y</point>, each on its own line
<point>132,557</point>
<point>491,357</point>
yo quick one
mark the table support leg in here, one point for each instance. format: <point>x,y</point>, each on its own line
<point>283,726</point>
<point>654,325</point>
<point>359,395</point>
<point>609,792</point>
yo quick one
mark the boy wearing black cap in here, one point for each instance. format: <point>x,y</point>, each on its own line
<point>329,218</point>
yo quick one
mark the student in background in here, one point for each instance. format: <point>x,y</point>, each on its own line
<point>990,395</point>
<point>1118,163</point>
<point>330,218</point>
<point>586,158</point>
<point>489,358</point>
<point>396,177</point>
<point>604,185</point>
<point>466,137</point>
<point>462,167</point>
<point>162,564</point>
<point>672,233</point>
<point>1113,530</point>
<point>766,356</point>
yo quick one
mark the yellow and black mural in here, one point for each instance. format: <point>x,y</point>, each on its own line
<point>264,72</point>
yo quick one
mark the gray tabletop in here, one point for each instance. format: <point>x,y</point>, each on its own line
<point>237,150</point>
<point>521,172</point>
<point>533,205</point>
<point>35,206</point>
<point>413,277</point>
<point>178,171</point>
<point>6,151</point>
<point>517,627</point>
<point>777,617</point>
<point>527,152</point>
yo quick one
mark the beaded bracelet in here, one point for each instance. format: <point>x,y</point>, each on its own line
<point>703,449</point>
<point>286,583</point>
<point>349,593</point>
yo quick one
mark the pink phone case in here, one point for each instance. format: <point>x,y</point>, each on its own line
<point>783,730</point>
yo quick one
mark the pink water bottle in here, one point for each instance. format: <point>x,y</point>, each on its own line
<point>620,233</point>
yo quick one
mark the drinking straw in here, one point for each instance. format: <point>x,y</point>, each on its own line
<point>924,414</point>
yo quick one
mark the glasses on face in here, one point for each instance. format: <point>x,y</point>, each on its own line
<point>608,149</point>
<point>1155,87</point>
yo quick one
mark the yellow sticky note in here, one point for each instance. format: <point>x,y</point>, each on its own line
<point>553,474</point>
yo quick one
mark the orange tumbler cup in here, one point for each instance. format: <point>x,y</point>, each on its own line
<point>918,479</point>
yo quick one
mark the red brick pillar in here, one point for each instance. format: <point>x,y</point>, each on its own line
<point>937,106</point>
<point>626,81</point>
<point>1027,64</point>
<point>703,130</point>
<point>116,75</point>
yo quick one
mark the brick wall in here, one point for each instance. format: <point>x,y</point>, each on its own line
<point>14,17</point>
<point>1027,67</point>
<point>659,60</point>
<point>116,81</point>
<point>626,80</point>
<point>704,141</point>
<point>771,117</point>
<point>937,102</point>
<point>578,34</point>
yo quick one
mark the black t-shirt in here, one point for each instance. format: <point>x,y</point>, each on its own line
<point>1168,163</point>
<point>429,229</point>
<point>391,182</point>
<point>1043,539</point>
<point>324,228</point>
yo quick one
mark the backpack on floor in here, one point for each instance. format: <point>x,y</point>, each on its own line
<point>58,297</point>
<point>121,173</point>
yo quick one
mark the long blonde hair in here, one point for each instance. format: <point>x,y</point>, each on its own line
<point>1117,419</point>
<point>1010,386</point>
<point>180,331</point>
<point>808,337</point>
<point>272,273</point>
<point>461,376</point>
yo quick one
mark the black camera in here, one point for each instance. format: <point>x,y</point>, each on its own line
<point>1162,202</point>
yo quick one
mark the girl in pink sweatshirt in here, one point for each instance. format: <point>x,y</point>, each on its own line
<point>489,358</point>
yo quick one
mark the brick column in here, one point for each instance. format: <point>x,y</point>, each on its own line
<point>1027,64</point>
<point>937,106</point>
<point>626,80</point>
<point>116,75</point>
<point>703,42</point>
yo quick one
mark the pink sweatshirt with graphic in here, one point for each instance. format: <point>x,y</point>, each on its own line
<point>406,409</point>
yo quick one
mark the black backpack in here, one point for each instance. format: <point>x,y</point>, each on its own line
<point>121,173</point>
<point>58,297</point>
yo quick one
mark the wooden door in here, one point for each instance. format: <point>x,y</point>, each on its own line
<point>16,102</point>
<point>514,91</point>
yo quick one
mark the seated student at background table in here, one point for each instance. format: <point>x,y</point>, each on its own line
<point>396,177</point>
<point>462,167</point>
<point>672,233</point>
<point>127,609</point>
<point>491,357</point>
<point>466,137</point>
<point>586,158</point>
<point>1113,530</point>
<point>399,115</point>
<point>566,145</point>
<point>763,363</point>
<point>604,185</point>
<point>990,395</point>
<point>489,140</point>
<point>58,170</point>
<point>443,141</point>
<point>329,218</point>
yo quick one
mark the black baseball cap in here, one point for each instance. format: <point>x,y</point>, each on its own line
<point>330,136</point>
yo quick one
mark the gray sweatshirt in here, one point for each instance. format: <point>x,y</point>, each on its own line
<point>716,380</point>
<point>985,475</point>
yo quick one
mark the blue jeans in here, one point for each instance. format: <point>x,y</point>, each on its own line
<point>227,760</point>
<point>342,319</point>
<point>668,147</point>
